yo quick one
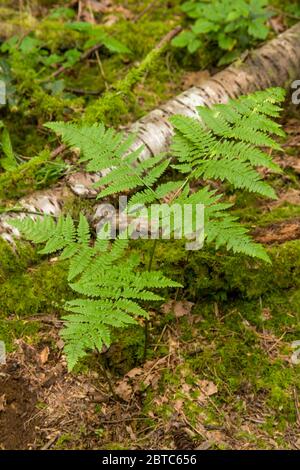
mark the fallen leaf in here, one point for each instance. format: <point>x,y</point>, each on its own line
<point>205,445</point>
<point>134,372</point>
<point>44,355</point>
<point>278,232</point>
<point>207,387</point>
<point>60,344</point>
<point>180,308</point>
<point>2,402</point>
<point>124,391</point>
<point>178,405</point>
<point>131,433</point>
<point>277,24</point>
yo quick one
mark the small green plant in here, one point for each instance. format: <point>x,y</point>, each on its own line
<point>231,25</point>
<point>7,157</point>
<point>96,35</point>
<point>225,146</point>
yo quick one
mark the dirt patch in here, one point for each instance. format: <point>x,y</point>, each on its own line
<point>279,232</point>
<point>17,410</point>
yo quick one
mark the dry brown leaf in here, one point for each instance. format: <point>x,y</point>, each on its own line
<point>180,308</point>
<point>207,387</point>
<point>124,390</point>
<point>178,404</point>
<point>60,344</point>
<point>131,433</point>
<point>110,20</point>
<point>195,78</point>
<point>2,402</point>
<point>289,161</point>
<point>134,372</point>
<point>205,445</point>
<point>44,355</point>
<point>186,388</point>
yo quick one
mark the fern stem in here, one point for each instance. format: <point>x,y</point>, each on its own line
<point>107,377</point>
<point>146,327</point>
<point>21,210</point>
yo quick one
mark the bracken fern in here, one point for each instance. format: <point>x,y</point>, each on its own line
<point>225,144</point>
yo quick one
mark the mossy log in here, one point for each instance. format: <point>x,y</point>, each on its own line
<point>276,63</point>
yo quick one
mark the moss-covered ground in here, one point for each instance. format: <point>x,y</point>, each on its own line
<point>219,371</point>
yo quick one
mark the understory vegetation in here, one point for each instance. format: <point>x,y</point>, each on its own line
<point>148,343</point>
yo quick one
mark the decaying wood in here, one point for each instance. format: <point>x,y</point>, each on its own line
<point>276,63</point>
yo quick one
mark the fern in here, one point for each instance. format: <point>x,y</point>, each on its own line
<point>111,284</point>
<point>226,144</point>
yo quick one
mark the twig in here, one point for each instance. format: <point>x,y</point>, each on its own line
<point>101,69</point>
<point>161,336</point>
<point>276,342</point>
<point>61,148</point>
<point>297,144</point>
<point>197,431</point>
<point>130,418</point>
<point>79,91</point>
<point>168,37</point>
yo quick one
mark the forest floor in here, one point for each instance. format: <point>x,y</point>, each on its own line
<point>220,371</point>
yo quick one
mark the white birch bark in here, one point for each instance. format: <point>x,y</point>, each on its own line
<point>276,63</point>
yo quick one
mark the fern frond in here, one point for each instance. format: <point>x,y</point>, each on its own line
<point>240,174</point>
<point>229,233</point>
<point>37,231</point>
<point>226,143</point>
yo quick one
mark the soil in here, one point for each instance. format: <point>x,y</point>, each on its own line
<point>17,410</point>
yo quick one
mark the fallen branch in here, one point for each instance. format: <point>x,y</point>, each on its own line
<point>276,63</point>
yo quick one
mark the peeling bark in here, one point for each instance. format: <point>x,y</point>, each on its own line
<point>276,63</point>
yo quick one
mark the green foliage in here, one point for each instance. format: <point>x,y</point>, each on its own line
<point>111,285</point>
<point>224,146</point>
<point>232,25</point>
<point>95,35</point>
<point>8,161</point>
<point>38,172</point>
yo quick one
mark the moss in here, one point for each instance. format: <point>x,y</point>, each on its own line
<point>114,105</point>
<point>15,260</point>
<point>44,288</point>
<point>13,329</point>
<point>127,350</point>
<point>205,273</point>
<point>231,353</point>
<point>37,173</point>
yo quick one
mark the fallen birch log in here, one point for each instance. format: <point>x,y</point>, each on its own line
<point>276,63</point>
